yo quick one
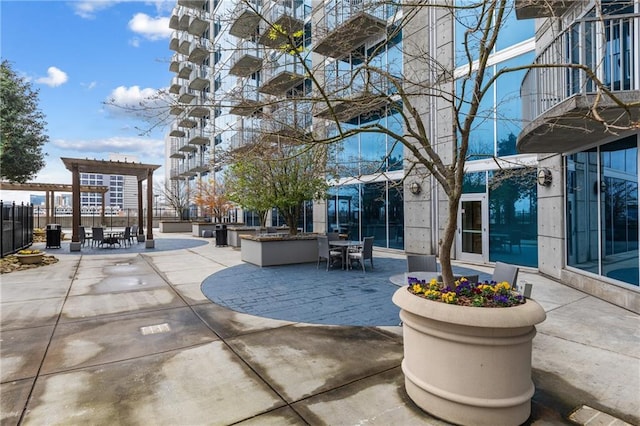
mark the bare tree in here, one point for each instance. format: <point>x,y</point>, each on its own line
<point>176,193</point>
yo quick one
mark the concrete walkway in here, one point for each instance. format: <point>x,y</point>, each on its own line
<point>128,337</point>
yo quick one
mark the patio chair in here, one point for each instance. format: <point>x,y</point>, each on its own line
<point>325,253</point>
<point>505,272</point>
<point>333,236</point>
<point>133,236</point>
<point>422,262</point>
<point>82,234</point>
<point>97,237</point>
<point>126,236</point>
<point>364,254</point>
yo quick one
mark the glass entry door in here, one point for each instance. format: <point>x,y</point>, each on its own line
<point>471,241</point>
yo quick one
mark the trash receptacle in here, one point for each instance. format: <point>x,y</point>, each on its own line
<point>54,235</point>
<point>221,235</point>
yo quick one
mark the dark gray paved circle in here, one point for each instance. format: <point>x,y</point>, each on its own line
<point>304,293</point>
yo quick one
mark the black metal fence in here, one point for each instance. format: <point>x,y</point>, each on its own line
<point>17,227</point>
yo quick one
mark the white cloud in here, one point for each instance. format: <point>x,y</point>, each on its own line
<point>150,28</point>
<point>55,77</point>
<point>135,42</point>
<point>133,101</point>
<point>88,8</point>
<point>147,150</point>
<point>89,86</point>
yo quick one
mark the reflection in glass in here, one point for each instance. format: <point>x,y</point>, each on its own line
<point>513,218</point>
<point>471,212</point>
<point>602,207</point>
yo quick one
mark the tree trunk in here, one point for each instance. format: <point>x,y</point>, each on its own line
<point>446,242</point>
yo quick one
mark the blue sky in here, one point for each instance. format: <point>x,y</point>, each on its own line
<point>81,55</point>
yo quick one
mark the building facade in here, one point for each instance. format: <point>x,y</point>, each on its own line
<point>540,190</point>
<point>588,232</point>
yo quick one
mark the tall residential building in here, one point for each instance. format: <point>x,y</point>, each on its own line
<point>571,212</point>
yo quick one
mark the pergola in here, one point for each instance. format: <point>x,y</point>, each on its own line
<point>50,189</point>
<point>139,170</point>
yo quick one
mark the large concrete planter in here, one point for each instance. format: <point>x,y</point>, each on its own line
<point>469,365</point>
<point>278,250</point>
<point>30,259</point>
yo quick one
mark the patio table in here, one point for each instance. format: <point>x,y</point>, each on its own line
<point>344,246</point>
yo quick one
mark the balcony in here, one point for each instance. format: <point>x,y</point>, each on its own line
<point>193,4</point>
<point>199,78</point>
<point>200,163</point>
<point>282,75</point>
<point>243,138</point>
<point>174,19</point>
<point>557,102</point>
<point>186,95</point>
<point>347,25</point>
<point>199,49</point>
<point>176,60</point>
<point>244,100</point>
<point>530,9</point>
<point>244,19</point>
<point>185,43</point>
<point>184,147</point>
<point>174,151</point>
<point>286,14</point>
<point>185,168</point>
<point>187,122</point>
<point>176,109</point>
<point>197,21</point>
<point>174,40</point>
<point>355,95</point>
<point>246,59</point>
<point>199,136</point>
<point>185,69</point>
<point>176,131</point>
<point>290,123</point>
<point>176,84</point>
<point>174,173</point>
<point>199,107</point>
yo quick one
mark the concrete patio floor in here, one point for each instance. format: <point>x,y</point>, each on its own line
<point>129,338</point>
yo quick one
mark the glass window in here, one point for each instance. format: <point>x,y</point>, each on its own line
<point>474,183</point>
<point>513,217</point>
<point>374,212</point>
<point>602,207</point>
<point>514,31</point>
<point>509,105</point>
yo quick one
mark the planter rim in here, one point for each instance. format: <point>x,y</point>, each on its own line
<point>527,314</point>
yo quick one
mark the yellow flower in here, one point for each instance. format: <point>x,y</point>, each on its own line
<point>449,297</point>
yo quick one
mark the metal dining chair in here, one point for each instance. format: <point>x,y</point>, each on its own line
<point>422,262</point>
<point>364,254</point>
<point>325,253</point>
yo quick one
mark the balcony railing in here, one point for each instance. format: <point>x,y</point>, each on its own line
<point>352,95</point>
<point>289,123</point>
<point>286,14</point>
<point>244,100</point>
<point>200,106</point>
<point>176,84</point>
<point>244,19</point>
<point>282,74</point>
<point>186,95</point>
<point>199,49</point>
<point>184,70</point>
<point>193,4</point>
<point>197,21</point>
<point>243,138</point>
<point>347,24</point>
<point>176,60</point>
<point>176,130</point>
<point>199,136</point>
<point>246,59</point>
<point>609,47</point>
<point>199,78</point>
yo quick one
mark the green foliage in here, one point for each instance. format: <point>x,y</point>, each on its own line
<point>22,126</point>
<point>282,177</point>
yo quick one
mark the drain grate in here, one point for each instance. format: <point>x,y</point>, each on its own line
<point>588,416</point>
<point>155,329</point>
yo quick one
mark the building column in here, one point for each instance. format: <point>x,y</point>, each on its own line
<point>75,201</point>
<point>140,211</point>
<point>150,243</point>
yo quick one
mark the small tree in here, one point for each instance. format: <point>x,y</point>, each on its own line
<point>22,128</point>
<point>212,197</point>
<point>281,175</point>
<point>176,194</point>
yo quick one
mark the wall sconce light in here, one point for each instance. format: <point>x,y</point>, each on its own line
<point>544,177</point>
<point>415,188</point>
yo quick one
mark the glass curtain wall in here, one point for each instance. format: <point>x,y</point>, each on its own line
<point>602,210</point>
<point>368,210</point>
